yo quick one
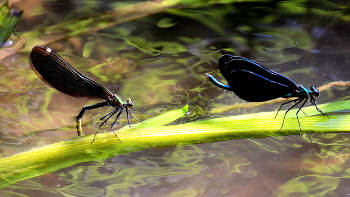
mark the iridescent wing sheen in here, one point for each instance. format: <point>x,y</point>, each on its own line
<point>59,74</point>
<point>253,82</point>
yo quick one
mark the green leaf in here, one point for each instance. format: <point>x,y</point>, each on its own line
<point>60,155</point>
<point>8,20</point>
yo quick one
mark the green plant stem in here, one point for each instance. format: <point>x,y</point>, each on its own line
<point>53,157</point>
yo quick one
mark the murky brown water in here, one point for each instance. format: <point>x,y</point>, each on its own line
<point>160,61</point>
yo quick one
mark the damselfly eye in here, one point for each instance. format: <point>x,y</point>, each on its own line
<point>314,91</point>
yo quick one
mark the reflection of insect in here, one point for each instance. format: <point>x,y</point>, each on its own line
<point>59,74</point>
<point>307,146</point>
<point>255,83</point>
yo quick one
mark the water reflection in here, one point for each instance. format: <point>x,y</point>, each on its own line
<point>247,167</point>
<point>162,67</point>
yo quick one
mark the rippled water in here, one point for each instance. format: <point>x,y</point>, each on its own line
<point>160,61</point>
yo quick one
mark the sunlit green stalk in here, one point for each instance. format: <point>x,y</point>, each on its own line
<point>64,154</point>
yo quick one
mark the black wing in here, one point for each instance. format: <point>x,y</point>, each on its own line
<point>59,74</point>
<point>252,87</point>
<point>229,63</point>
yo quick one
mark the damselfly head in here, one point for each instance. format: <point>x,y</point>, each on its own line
<point>129,103</point>
<point>314,91</point>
